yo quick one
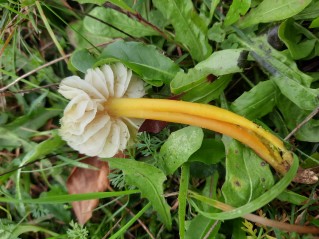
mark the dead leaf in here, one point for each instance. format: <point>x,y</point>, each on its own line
<point>83,180</point>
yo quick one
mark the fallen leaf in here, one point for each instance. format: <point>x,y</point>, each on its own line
<point>82,180</point>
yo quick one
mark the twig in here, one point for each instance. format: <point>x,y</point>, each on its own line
<point>33,71</point>
<point>309,117</point>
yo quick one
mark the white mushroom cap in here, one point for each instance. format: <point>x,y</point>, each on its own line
<point>85,125</point>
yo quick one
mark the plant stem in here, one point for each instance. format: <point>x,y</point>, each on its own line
<point>182,196</point>
<point>209,117</point>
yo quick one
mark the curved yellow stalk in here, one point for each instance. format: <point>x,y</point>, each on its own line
<point>150,109</point>
<point>202,110</point>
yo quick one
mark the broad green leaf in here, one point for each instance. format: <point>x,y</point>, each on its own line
<point>149,180</point>
<point>310,12</point>
<point>145,60</point>
<point>179,146</point>
<point>207,91</point>
<point>117,20</point>
<point>294,116</point>
<point>219,63</point>
<point>247,176</point>
<point>305,98</point>
<point>292,83</point>
<point>270,11</point>
<point>299,40</point>
<point>257,203</point>
<point>257,102</point>
<point>190,30</point>
<point>82,38</point>
<point>237,9</point>
<point>82,60</point>
<point>210,152</point>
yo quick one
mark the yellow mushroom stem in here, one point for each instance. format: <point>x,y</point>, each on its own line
<point>266,145</point>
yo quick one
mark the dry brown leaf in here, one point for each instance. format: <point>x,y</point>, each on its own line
<point>83,180</point>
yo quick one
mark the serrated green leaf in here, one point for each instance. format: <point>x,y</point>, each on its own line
<point>219,63</point>
<point>247,176</point>
<point>293,116</point>
<point>179,146</point>
<point>145,60</point>
<point>257,102</point>
<point>118,20</point>
<point>82,60</point>
<point>190,29</point>
<point>270,11</point>
<point>237,9</point>
<point>149,180</point>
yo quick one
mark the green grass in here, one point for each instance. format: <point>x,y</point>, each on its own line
<point>260,62</point>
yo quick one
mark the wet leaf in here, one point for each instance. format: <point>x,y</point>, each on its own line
<point>173,155</point>
<point>82,180</point>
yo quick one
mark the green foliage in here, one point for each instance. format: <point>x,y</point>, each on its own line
<point>301,42</point>
<point>267,11</point>
<point>77,231</point>
<point>257,102</point>
<point>197,51</point>
<point>144,60</point>
<point>190,29</point>
<point>237,9</point>
<point>219,63</point>
<point>247,176</point>
<point>149,180</point>
<point>117,20</point>
<point>172,155</point>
